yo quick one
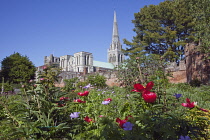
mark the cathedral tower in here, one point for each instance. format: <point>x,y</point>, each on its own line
<point>115,55</point>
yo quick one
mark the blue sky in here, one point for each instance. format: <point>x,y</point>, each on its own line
<point>38,28</point>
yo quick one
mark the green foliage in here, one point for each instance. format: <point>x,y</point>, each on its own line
<point>70,84</point>
<point>49,76</point>
<point>200,10</point>
<point>166,28</point>
<point>142,69</point>
<point>97,80</point>
<point>6,87</point>
<point>39,113</point>
<point>162,29</point>
<point>32,114</point>
<point>81,84</point>
<point>17,69</point>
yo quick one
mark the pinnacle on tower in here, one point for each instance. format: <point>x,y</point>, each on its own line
<point>115,35</point>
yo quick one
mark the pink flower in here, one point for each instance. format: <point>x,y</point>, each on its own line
<point>140,88</point>
<point>189,104</point>
<point>41,79</point>
<point>149,97</point>
<point>85,93</point>
<point>44,67</point>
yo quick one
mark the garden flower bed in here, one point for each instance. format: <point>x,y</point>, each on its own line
<point>138,112</point>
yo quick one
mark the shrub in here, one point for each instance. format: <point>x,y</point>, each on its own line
<point>70,84</point>
<point>81,84</point>
<point>195,83</point>
<point>97,80</point>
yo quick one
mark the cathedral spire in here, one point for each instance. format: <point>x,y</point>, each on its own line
<point>115,35</point>
<point>115,55</point>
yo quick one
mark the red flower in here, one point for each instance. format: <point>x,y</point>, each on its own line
<point>87,119</point>
<point>85,93</point>
<point>189,104</point>
<point>79,101</point>
<point>60,105</point>
<point>108,99</point>
<point>149,97</point>
<point>121,122</point>
<point>64,98</point>
<point>126,118</point>
<point>139,88</point>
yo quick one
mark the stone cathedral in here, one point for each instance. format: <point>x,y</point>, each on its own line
<point>81,62</point>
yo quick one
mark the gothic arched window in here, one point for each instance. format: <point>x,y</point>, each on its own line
<point>119,58</point>
<point>110,58</point>
<point>63,62</point>
<point>87,59</point>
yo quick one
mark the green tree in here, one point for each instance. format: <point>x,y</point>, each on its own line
<point>200,10</point>
<point>17,68</point>
<point>162,29</point>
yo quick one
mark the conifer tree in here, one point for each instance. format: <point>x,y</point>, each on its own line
<point>200,10</point>
<point>162,29</point>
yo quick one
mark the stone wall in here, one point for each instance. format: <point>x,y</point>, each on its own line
<point>191,68</point>
<point>197,66</point>
<point>178,77</point>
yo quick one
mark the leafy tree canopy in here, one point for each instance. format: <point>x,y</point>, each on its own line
<point>17,68</point>
<point>200,10</point>
<point>162,29</point>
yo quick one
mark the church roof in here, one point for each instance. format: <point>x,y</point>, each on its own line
<point>103,64</point>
